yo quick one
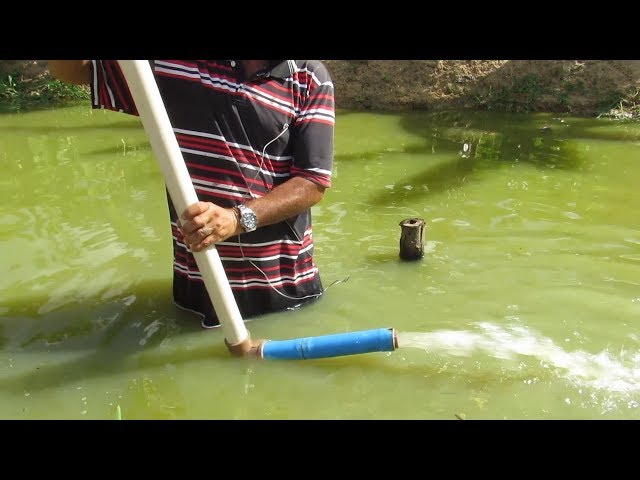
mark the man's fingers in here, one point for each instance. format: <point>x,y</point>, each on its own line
<point>195,217</point>
<point>192,211</point>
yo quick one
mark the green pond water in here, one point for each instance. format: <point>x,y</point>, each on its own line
<point>525,305</point>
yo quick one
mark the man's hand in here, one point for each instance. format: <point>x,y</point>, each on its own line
<point>205,223</point>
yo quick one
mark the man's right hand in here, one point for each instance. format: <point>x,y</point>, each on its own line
<point>205,223</point>
<point>71,71</point>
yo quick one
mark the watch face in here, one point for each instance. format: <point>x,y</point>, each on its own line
<point>248,221</point>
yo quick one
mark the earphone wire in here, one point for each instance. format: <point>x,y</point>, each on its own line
<point>285,127</point>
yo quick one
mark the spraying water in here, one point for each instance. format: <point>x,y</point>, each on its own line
<point>600,370</point>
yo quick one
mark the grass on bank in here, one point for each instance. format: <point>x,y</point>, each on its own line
<point>533,92</point>
<point>625,108</point>
<point>42,92</point>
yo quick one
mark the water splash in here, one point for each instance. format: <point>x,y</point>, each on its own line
<point>601,371</point>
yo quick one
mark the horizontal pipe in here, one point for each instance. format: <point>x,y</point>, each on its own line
<point>336,345</point>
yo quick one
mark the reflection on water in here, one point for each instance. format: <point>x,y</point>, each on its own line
<point>524,303</point>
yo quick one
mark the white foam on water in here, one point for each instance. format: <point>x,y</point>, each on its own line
<point>601,370</point>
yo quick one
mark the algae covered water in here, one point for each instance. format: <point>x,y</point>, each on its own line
<point>524,306</point>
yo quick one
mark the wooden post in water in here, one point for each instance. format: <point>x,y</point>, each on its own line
<point>412,239</point>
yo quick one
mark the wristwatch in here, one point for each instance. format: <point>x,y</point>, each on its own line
<point>247,218</point>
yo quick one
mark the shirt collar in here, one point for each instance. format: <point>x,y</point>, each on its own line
<point>281,68</point>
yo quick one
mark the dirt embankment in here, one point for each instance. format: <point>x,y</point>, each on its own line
<point>578,87</point>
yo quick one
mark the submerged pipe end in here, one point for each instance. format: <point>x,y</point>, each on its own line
<point>247,347</point>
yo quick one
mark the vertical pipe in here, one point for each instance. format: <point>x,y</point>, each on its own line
<point>155,121</point>
<point>412,238</point>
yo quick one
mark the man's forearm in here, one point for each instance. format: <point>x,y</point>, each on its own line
<point>291,198</point>
<point>71,71</point>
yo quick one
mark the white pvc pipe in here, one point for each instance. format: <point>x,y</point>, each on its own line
<point>155,121</point>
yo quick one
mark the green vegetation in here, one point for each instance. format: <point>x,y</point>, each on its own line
<point>42,92</point>
<point>531,93</point>
<point>525,94</point>
<point>595,88</point>
<point>624,107</point>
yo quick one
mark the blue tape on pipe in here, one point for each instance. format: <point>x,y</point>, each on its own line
<point>336,345</point>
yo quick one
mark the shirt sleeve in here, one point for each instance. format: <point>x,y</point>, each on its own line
<point>314,127</point>
<point>109,89</point>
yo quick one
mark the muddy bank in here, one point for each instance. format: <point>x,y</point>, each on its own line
<point>578,87</point>
<point>584,88</point>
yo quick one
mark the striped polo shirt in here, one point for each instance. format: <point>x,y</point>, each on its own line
<point>241,137</point>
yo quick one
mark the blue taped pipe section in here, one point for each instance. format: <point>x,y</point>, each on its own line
<point>353,343</point>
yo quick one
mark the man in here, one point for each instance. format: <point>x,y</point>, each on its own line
<point>257,139</point>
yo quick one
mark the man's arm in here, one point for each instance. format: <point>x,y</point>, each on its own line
<point>286,200</point>
<point>71,71</point>
<point>206,223</point>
